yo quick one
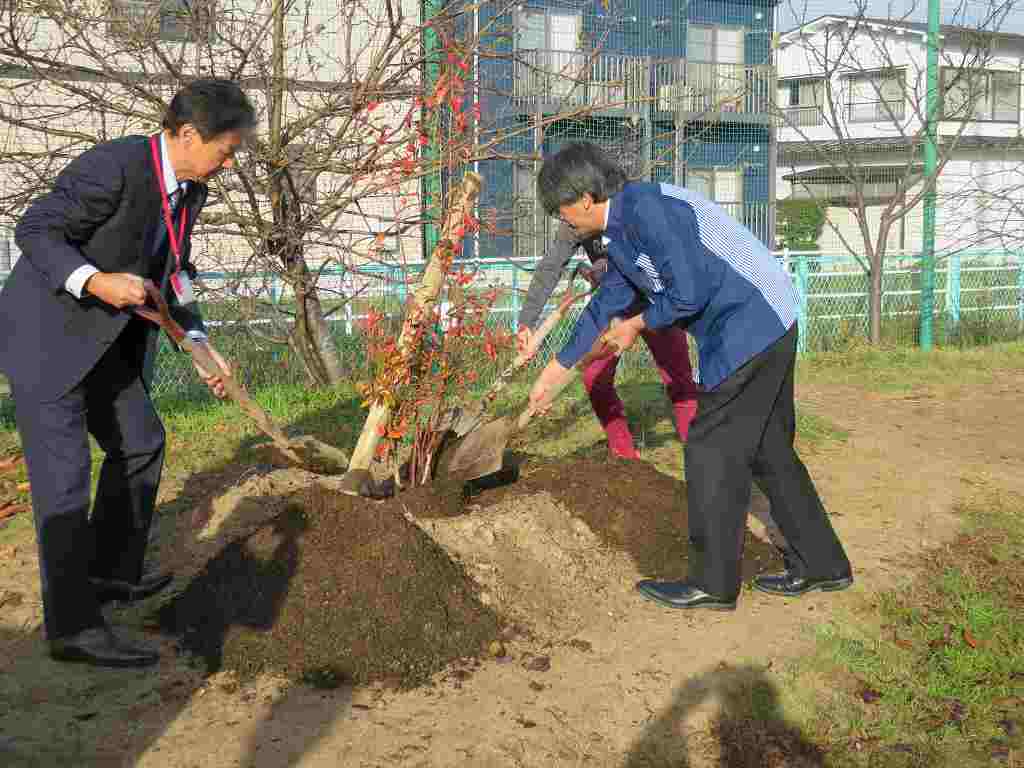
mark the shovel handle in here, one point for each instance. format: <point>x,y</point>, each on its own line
<point>604,350</point>
<point>160,314</point>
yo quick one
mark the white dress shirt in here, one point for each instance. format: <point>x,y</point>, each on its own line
<point>75,284</point>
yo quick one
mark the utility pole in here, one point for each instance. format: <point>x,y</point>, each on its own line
<point>431,183</point>
<point>931,152</point>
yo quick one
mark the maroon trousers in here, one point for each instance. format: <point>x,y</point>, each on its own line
<point>672,356</point>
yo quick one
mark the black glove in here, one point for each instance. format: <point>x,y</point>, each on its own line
<point>595,272</point>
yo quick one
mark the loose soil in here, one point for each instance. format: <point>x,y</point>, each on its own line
<point>631,506</point>
<point>582,671</point>
<point>332,590</point>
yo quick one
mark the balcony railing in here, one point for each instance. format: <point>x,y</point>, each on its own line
<point>802,117</point>
<point>172,20</point>
<point>695,87</point>
<point>576,79</point>
<point>882,111</point>
<point>533,231</point>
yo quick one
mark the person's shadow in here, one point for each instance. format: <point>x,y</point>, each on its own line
<point>55,714</point>
<point>747,728</point>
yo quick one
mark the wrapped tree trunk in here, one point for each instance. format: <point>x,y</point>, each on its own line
<point>419,311</point>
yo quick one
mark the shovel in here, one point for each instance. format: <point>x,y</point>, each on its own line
<point>302,451</point>
<point>462,421</point>
<point>481,452</point>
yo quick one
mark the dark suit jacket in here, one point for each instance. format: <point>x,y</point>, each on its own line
<point>104,210</point>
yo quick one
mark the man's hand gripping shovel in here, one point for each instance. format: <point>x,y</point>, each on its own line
<point>302,451</point>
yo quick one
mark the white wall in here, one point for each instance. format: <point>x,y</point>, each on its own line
<point>980,204</point>
<point>819,49</point>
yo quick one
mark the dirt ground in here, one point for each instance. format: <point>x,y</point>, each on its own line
<point>571,667</point>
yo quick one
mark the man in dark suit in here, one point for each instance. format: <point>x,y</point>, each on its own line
<point>79,361</point>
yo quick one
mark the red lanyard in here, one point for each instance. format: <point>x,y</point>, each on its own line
<point>175,239</point>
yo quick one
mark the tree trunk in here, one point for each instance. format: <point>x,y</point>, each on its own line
<point>875,297</point>
<point>419,309</point>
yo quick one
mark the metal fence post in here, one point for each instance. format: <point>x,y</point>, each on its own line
<point>953,291</point>
<point>801,305</point>
<point>1020,291</point>
<point>513,324</point>
<point>275,289</point>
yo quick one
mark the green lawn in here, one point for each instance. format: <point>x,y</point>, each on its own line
<point>930,673</point>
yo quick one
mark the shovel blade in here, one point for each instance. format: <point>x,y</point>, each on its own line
<point>479,453</point>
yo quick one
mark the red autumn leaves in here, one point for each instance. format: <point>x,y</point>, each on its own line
<point>11,506</point>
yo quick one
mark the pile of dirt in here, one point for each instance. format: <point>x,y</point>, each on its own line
<point>332,589</point>
<point>630,505</point>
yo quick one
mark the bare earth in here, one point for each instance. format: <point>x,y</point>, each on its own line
<point>601,677</point>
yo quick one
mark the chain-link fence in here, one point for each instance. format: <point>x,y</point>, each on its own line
<point>979,299</point>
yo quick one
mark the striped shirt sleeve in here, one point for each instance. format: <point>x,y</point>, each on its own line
<point>668,239</point>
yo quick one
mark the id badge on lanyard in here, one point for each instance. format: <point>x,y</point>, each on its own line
<point>181,284</point>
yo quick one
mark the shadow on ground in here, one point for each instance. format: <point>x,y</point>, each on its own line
<point>747,728</point>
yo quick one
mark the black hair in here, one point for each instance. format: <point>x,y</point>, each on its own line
<point>578,168</point>
<point>213,106</point>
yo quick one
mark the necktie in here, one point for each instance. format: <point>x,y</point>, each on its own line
<point>175,197</point>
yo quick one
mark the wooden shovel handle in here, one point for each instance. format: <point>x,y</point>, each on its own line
<point>160,314</point>
<point>604,350</point>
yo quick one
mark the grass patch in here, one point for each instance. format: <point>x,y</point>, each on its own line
<point>901,369</point>
<point>932,673</point>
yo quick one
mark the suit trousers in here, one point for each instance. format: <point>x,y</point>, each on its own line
<point>744,431</point>
<point>113,405</point>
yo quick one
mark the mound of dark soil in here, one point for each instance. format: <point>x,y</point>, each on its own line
<point>333,589</point>
<point>631,506</point>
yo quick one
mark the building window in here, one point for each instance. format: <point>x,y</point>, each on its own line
<point>801,102</point>
<point>549,59</point>
<point>876,97</point>
<point>716,79</point>
<point>980,95</point>
<point>873,184</point>
<point>170,20</point>
<point>723,185</point>
<point>715,45</point>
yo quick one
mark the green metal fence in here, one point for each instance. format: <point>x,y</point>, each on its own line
<point>979,299</point>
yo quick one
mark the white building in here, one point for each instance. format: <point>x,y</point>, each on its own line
<point>851,103</point>
<point>86,72</point>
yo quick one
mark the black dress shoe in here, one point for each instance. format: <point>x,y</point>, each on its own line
<point>100,647</point>
<point>115,589</point>
<point>788,584</point>
<point>679,594</point>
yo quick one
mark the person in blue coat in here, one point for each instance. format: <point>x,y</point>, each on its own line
<point>700,269</point>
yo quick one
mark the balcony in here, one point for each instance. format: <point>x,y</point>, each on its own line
<point>695,88</point>
<point>169,20</point>
<point>574,79</point>
<point>533,232</point>
<point>802,117</point>
<point>883,111</point>
<point>559,80</point>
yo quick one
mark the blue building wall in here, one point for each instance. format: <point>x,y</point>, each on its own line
<point>649,28</point>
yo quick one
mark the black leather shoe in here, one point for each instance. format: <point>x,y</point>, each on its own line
<point>100,647</point>
<point>788,584</point>
<point>115,589</point>
<point>679,594</point>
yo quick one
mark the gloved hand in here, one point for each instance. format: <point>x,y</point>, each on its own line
<point>595,272</point>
